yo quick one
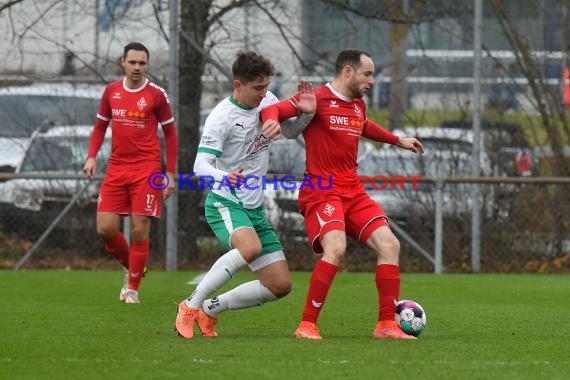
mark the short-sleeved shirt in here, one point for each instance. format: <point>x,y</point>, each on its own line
<point>135,115</point>
<point>232,133</point>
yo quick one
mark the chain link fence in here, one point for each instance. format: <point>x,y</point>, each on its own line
<point>425,58</point>
<point>524,229</point>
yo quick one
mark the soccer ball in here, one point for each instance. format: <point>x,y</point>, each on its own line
<point>411,317</point>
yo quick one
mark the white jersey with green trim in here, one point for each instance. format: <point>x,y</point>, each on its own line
<point>232,134</point>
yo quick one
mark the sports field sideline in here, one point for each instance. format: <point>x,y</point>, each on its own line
<point>70,325</point>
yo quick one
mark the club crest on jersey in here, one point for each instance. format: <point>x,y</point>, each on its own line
<point>329,209</point>
<point>357,111</point>
<point>257,145</point>
<point>141,103</point>
<point>333,104</point>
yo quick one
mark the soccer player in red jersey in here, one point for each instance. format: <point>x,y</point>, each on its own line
<point>136,107</point>
<point>344,208</point>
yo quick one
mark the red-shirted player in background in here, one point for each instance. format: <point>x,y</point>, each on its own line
<point>136,107</point>
<point>331,139</point>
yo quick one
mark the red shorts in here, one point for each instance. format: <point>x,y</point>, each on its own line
<point>128,192</point>
<point>351,211</point>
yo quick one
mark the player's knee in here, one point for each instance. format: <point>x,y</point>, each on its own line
<point>334,251</point>
<point>106,232</point>
<point>390,248</point>
<point>251,250</point>
<point>140,233</point>
<point>281,288</point>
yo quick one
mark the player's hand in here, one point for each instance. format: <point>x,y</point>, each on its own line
<point>271,129</point>
<point>168,190</point>
<point>411,143</point>
<point>307,102</point>
<point>234,175</point>
<point>90,167</point>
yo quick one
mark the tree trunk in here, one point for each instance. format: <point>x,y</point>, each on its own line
<point>194,26</point>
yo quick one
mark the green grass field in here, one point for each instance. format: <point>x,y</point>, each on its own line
<point>70,325</point>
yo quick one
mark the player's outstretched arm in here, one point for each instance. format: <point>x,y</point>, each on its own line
<point>410,143</point>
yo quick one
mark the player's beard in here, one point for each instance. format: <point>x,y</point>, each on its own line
<point>357,92</point>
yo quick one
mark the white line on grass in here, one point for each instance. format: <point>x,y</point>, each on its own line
<point>197,279</point>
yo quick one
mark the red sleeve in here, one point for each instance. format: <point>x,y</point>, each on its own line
<point>163,110</point>
<point>171,140</point>
<point>105,107</point>
<point>97,137</point>
<point>375,132</point>
<point>279,111</point>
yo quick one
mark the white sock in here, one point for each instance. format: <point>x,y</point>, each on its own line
<point>219,274</point>
<point>250,294</point>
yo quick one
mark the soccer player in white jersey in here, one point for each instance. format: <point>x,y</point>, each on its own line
<point>234,146</point>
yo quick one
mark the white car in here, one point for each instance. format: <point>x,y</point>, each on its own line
<point>27,109</point>
<point>32,203</point>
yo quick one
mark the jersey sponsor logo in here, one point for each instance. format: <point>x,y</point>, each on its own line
<point>208,140</point>
<point>338,120</point>
<point>259,144</point>
<point>329,209</point>
<point>141,103</point>
<point>137,115</point>
<point>333,104</point>
<point>240,125</point>
<point>118,112</point>
<point>117,95</point>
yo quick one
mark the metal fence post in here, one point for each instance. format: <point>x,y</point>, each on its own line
<point>438,263</point>
<point>172,203</point>
<point>476,211</point>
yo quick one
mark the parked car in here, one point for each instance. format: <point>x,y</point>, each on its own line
<point>417,200</point>
<point>410,205</point>
<point>449,139</point>
<point>504,141</point>
<point>29,205</point>
<point>26,109</point>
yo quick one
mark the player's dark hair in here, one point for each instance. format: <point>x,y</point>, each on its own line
<point>349,57</point>
<point>135,46</point>
<point>249,66</point>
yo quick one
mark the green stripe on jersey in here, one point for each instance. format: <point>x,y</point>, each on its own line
<point>216,153</point>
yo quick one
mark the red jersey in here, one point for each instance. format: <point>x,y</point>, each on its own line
<point>331,138</point>
<point>135,115</point>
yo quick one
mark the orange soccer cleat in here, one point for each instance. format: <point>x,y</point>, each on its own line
<point>185,319</point>
<point>307,330</point>
<point>206,323</point>
<point>390,330</point>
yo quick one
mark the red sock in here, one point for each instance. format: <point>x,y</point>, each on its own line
<point>321,280</point>
<point>388,285</point>
<point>118,247</point>
<point>138,258</point>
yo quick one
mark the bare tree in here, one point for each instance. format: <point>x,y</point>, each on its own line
<point>10,3</point>
<point>401,16</point>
